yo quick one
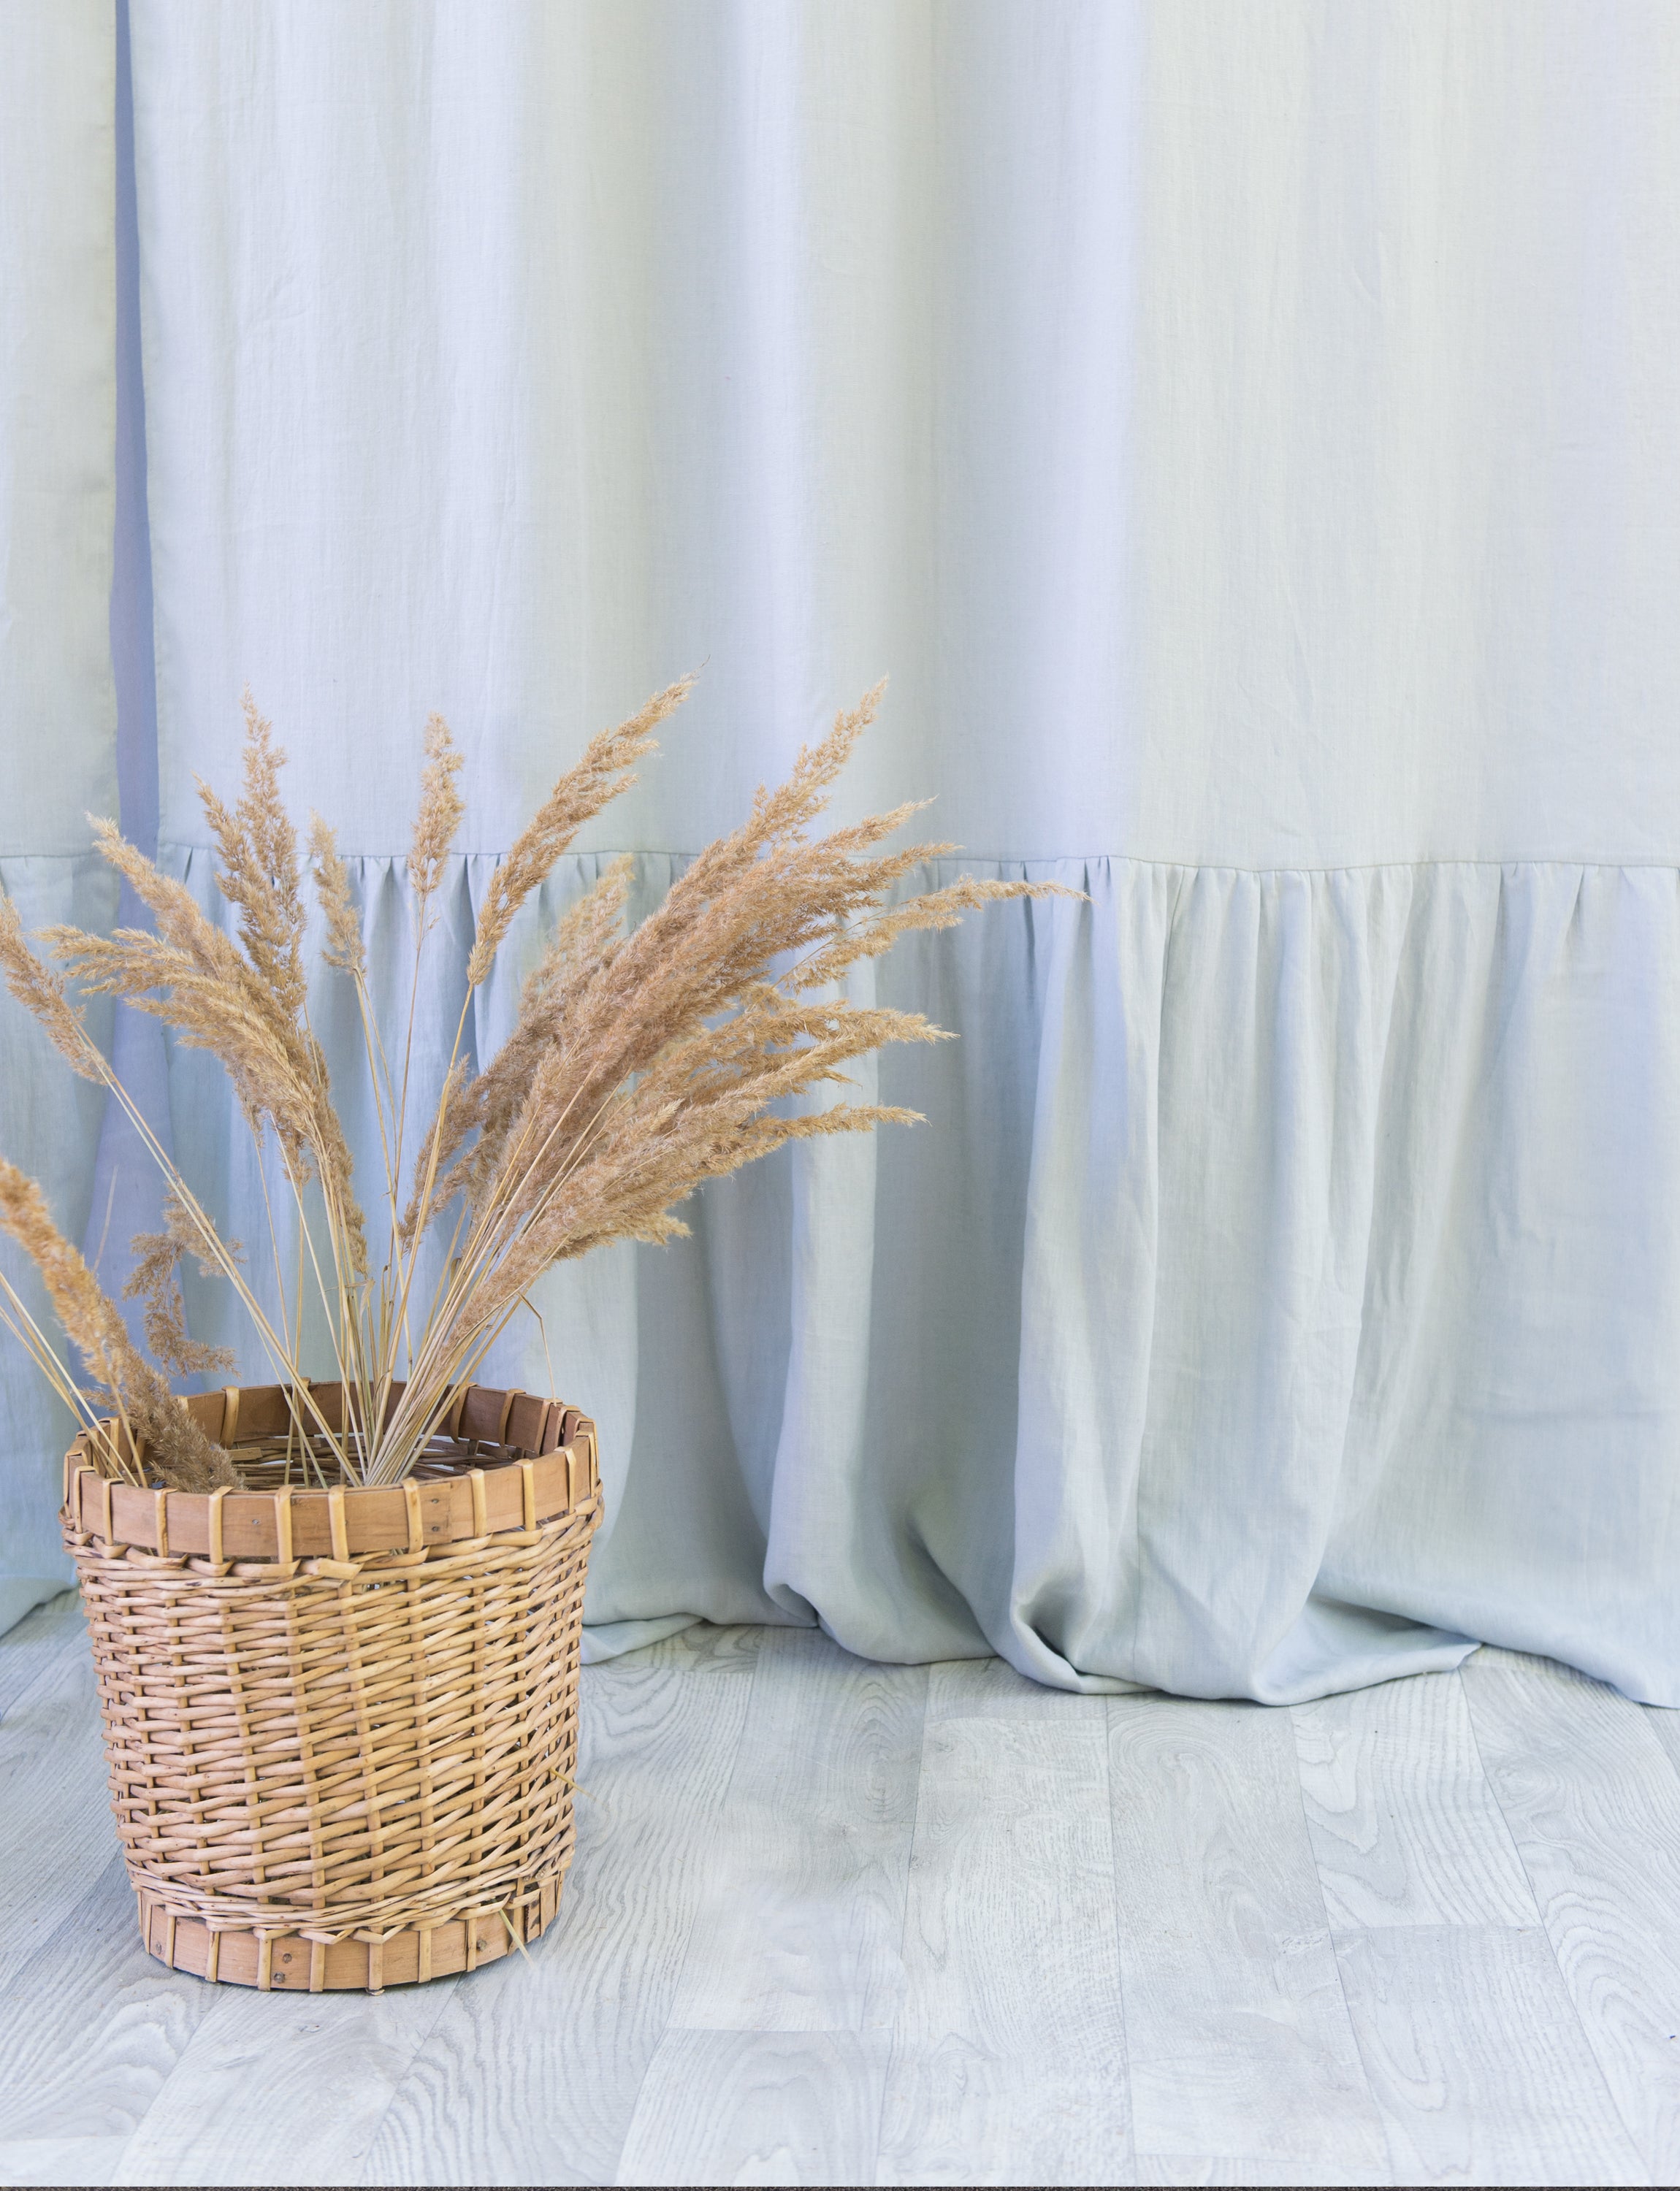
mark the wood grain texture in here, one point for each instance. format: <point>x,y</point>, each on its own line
<point>56,1835</point>
<point>1236,2029</point>
<point>43,2160</point>
<point>287,2088</point>
<point>1663,1721</point>
<point>531,2075</point>
<point>1593,1804</point>
<point>980,2041</point>
<point>106,2025</point>
<point>1008,2062</point>
<point>1478,2060</point>
<point>1405,1829</point>
<point>802,1928</point>
<point>38,1638</point>
<point>759,2107</point>
<point>1226,2168</point>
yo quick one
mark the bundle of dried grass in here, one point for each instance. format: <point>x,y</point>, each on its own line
<point>642,1063</point>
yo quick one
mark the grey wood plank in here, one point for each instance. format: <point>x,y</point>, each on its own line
<point>1236,2029</point>
<point>1225,2168</point>
<point>990,1688</point>
<point>573,2067</point>
<point>39,1637</point>
<point>1478,2060</point>
<point>282,2089</point>
<point>1663,1721</point>
<point>56,1835</point>
<point>1008,2062</point>
<point>92,2026</point>
<point>802,1924</point>
<point>71,2160</point>
<point>1404,1827</point>
<point>531,2074</point>
<point>1593,1804</point>
<point>759,2107</point>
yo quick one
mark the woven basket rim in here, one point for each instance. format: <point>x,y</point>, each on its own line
<point>520,1483</point>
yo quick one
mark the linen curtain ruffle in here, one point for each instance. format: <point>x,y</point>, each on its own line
<point>1283,1292</point>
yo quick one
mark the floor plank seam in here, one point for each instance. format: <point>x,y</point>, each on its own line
<point>445,1989</point>
<point>1634,2129</point>
<point>898,2036</point>
<point>1341,1975</point>
<point>1394,2176</point>
<point>757,1680</point>
<point>1673,1762</point>
<point>1119,1958</point>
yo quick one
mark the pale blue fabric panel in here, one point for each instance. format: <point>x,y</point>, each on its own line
<point>57,709</point>
<point>1247,436</point>
<point>57,754</point>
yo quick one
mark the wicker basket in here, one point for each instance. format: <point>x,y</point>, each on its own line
<point>341,1724</point>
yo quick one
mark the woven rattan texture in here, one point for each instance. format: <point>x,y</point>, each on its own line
<point>343,1772</point>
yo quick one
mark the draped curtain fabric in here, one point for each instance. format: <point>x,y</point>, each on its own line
<point>1249,438</point>
<point>58,720</point>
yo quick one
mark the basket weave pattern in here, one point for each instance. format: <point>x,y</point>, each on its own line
<point>341,1725</point>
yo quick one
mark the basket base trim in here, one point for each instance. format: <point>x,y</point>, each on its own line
<point>287,1962</point>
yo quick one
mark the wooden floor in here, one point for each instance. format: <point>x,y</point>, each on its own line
<point>835,1922</point>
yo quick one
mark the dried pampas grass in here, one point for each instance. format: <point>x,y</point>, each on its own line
<point>642,1063</point>
<point>121,1377</point>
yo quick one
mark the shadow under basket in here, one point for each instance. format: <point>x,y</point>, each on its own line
<point>341,1724</point>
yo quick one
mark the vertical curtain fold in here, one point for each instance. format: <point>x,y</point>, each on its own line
<point>58,723</point>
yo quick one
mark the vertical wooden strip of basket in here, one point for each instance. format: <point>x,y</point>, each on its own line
<point>420,1678</point>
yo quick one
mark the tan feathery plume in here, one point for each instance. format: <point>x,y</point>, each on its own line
<point>264,877</point>
<point>490,1104</point>
<point>765,891</point>
<point>642,1066</point>
<point>641,1063</point>
<point>181,1454</point>
<point>579,795</point>
<point>782,816</point>
<point>261,875</point>
<point>344,947</point>
<point>210,1006</point>
<point>194,977</point>
<point>153,1279</point>
<point>440,813</point>
<point>259,871</point>
<point>41,991</point>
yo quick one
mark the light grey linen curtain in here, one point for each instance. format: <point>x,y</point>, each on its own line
<point>1249,437</point>
<point>58,720</point>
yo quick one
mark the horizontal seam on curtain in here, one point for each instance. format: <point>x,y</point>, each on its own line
<point>1073,859</point>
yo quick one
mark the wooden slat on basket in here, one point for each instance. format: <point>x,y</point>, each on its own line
<point>379,1518</point>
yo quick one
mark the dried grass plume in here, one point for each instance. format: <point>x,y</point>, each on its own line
<point>643,1061</point>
